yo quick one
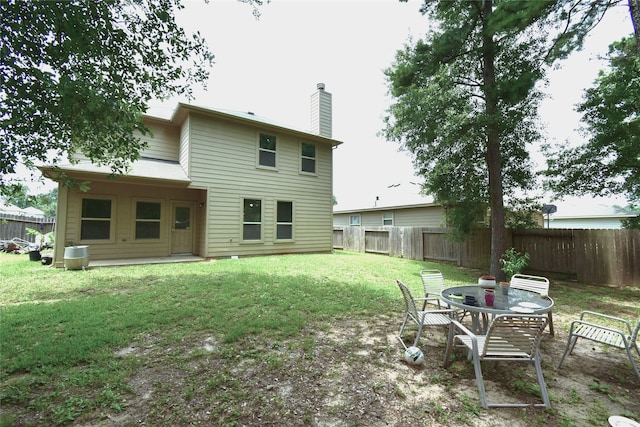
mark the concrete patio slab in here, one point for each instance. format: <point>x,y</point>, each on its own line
<point>141,261</point>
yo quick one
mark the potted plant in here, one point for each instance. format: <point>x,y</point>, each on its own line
<point>34,251</point>
<point>513,262</point>
<point>41,242</point>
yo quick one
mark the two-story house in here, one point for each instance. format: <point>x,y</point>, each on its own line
<point>211,183</point>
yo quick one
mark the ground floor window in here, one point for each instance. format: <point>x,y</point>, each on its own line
<point>252,219</point>
<point>148,220</point>
<point>284,226</point>
<point>354,220</point>
<point>95,223</point>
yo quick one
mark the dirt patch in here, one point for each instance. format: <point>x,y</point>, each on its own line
<point>351,373</point>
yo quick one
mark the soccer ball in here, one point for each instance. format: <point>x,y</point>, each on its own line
<point>413,356</point>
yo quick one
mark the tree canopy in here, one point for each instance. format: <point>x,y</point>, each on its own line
<point>76,76</point>
<point>465,100</point>
<point>608,163</point>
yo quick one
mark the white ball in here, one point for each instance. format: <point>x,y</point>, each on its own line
<point>413,356</point>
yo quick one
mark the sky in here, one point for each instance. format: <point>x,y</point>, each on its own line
<point>272,65</point>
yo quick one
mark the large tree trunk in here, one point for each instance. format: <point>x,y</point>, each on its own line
<point>634,10</point>
<point>494,159</point>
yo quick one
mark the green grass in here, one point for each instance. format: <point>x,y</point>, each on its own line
<point>61,329</point>
<point>62,318</point>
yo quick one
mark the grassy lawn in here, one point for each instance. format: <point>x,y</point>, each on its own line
<point>73,342</point>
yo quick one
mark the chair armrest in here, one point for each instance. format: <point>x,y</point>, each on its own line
<point>463,329</point>
<point>595,325</point>
<point>446,311</point>
<point>587,313</point>
<point>474,339</point>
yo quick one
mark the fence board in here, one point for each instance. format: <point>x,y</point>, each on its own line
<point>439,246</point>
<point>550,250</point>
<point>376,241</point>
<point>16,226</point>
<point>338,236</point>
<point>595,256</point>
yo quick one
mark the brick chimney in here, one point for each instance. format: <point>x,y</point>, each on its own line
<point>321,112</point>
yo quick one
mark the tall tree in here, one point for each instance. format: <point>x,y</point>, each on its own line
<point>466,100</point>
<point>76,75</point>
<point>609,162</point>
<point>634,11</point>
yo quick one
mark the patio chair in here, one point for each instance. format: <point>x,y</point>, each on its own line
<point>421,318</point>
<point>433,282</point>
<point>509,338</point>
<point>536,284</point>
<point>622,338</point>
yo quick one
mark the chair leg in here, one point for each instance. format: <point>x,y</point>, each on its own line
<point>571,342</point>
<point>415,343</point>
<point>402,330</point>
<point>541,383</point>
<point>633,362</point>
<point>480,381</point>
<point>450,338</point>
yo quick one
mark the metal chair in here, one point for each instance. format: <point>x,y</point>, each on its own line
<point>433,282</point>
<point>622,338</point>
<point>509,338</point>
<point>420,317</point>
<point>536,284</point>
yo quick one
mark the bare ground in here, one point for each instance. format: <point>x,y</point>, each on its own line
<point>351,374</point>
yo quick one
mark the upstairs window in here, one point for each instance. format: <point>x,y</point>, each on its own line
<point>387,218</point>
<point>148,220</point>
<point>284,225</point>
<point>308,158</point>
<point>95,223</point>
<point>267,151</point>
<point>252,219</point>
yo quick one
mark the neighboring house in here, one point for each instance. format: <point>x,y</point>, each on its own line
<point>415,215</point>
<point>211,183</point>
<point>433,215</point>
<point>587,215</point>
<point>12,210</point>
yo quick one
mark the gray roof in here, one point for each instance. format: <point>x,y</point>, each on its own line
<point>153,169</point>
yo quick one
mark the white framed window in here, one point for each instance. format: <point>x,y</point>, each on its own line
<point>284,220</point>
<point>148,220</point>
<point>96,219</point>
<point>387,218</point>
<point>267,150</point>
<point>251,220</point>
<point>307,158</point>
<point>354,219</point>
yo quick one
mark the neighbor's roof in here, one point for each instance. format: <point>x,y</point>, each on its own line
<point>9,209</point>
<point>387,208</point>
<point>586,210</point>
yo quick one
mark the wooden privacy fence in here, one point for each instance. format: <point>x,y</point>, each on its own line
<point>16,226</point>
<point>593,256</point>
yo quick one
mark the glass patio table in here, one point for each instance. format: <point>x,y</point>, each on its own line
<point>506,301</point>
